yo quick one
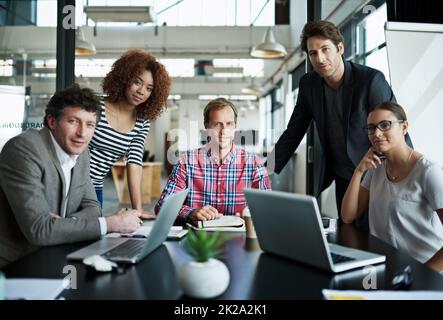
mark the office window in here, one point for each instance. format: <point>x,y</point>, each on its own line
<point>267,142</point>
<point>29,75</point>
<point>296,75</point>
<point>216,13</point>
<point>182,13</point>
<point>5,67</point>
<point>371,29</point>
<point>16,13</point>
<point>348,31</point>
<point>278,112</point>
<point>371,42</point>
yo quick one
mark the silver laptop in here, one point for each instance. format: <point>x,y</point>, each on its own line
<point>131,250</point>
<point>290,225</point>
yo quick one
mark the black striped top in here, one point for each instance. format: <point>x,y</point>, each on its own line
<point>108,145</point>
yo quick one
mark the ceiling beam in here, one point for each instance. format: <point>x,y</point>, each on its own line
<point>183,42</point>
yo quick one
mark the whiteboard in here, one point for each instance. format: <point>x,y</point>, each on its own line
<point>12,114</point>
<point>415,58</point>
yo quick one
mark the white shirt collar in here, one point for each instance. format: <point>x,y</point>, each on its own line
<point>63,157</point>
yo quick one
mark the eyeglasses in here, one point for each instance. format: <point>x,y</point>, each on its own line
<point>384,125</point>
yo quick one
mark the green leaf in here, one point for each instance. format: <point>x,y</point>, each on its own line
<point>203,245</point>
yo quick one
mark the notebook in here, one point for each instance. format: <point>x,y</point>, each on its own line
<point>222,223</point>
<point>290,225</point>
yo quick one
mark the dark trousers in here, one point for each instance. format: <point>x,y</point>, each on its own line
<point>99,193</point>
<point>340,189</point>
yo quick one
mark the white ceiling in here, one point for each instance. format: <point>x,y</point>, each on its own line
<point>204,43</point>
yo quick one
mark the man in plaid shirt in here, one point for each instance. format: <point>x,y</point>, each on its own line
<point>217,173</point>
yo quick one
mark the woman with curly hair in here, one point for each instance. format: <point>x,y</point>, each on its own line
<point>137,89</point>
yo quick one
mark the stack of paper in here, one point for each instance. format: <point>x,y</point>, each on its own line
<point>34,289</point>
<point>381,295</point>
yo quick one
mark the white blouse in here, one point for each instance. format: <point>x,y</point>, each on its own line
<point>403,213</point>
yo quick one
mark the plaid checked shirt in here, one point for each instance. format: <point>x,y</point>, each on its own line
<point>218,185</point>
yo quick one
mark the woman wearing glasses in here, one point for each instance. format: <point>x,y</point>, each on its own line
<point>402,189</point>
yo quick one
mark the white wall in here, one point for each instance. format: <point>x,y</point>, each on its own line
<point>416,67</point>
<point>298,16</point>
<point>12,115</point>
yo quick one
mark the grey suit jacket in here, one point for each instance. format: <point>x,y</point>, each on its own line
<point>31,186</point>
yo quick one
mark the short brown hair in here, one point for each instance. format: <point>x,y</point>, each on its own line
<point>321,28</point>
<point>393,107</point>
<point>72,96</point>
<point>218,104</point>
<point>126,69</point>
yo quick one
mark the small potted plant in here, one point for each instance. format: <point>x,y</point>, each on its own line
<point>205,276</point>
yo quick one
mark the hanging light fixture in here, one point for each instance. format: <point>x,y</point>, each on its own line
<point>269,48</point>
<point>253,89</point>
<point>83,47</point>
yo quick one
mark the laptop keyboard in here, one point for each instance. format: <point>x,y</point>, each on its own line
<point>338,258</point>
<point>129,248</point>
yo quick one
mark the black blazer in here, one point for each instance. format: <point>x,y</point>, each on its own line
<point>363,88</point>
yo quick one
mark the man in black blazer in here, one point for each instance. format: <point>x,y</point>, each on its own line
<point>337,96</point>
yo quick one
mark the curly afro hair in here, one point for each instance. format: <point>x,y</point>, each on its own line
<point>123,73</point>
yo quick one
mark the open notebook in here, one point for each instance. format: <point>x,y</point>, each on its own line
<point>222,223</point>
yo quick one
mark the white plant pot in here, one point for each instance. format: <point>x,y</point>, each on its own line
<point>204,279</point>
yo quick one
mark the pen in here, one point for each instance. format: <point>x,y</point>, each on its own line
<point>133,236</point>
<point>141,236</point>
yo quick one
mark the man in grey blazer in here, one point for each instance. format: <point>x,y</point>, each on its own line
<point>46,195</point>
